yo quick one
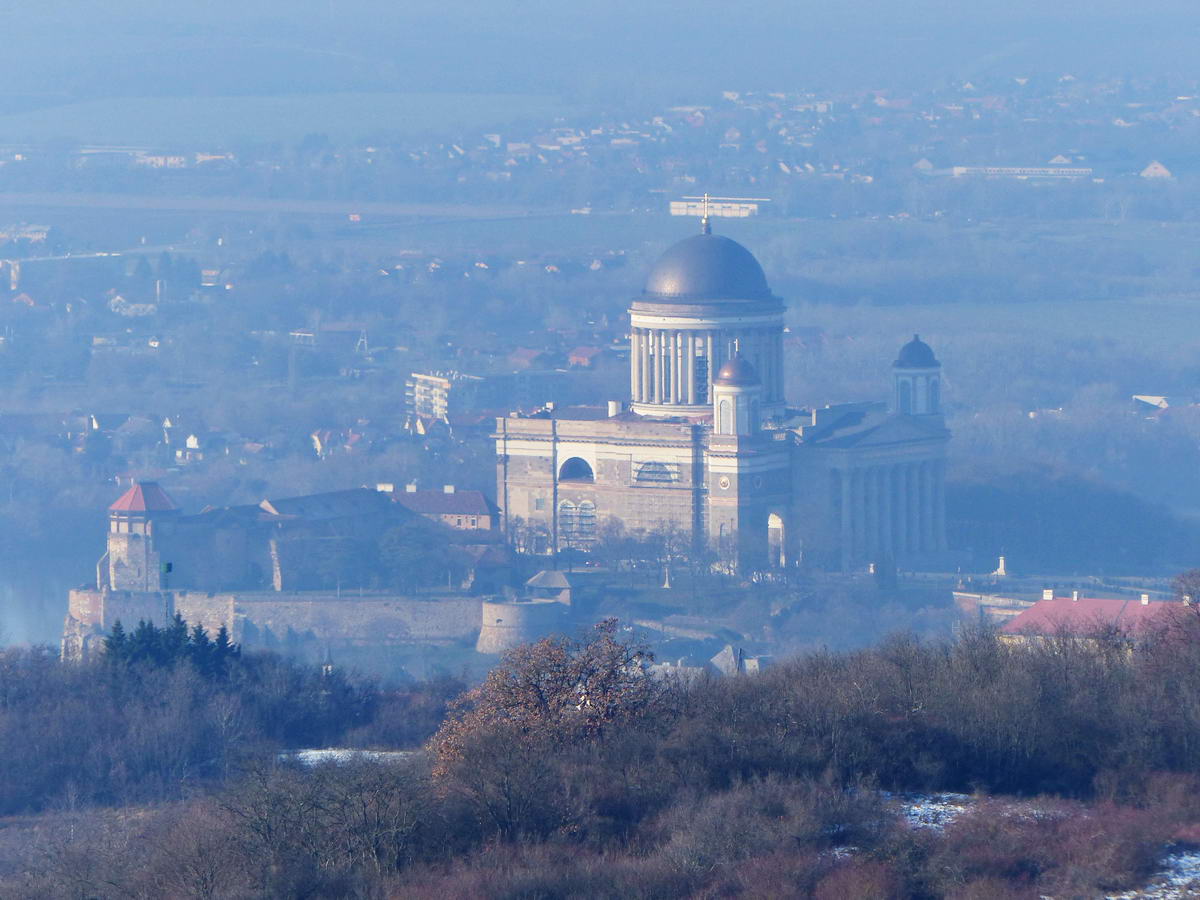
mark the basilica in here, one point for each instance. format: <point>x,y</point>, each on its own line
<point>708,447</point>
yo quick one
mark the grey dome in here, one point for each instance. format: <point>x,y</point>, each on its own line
<point>707,267</point>
<point>916,354</point>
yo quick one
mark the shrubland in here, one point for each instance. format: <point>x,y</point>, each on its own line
<point>569,772</point>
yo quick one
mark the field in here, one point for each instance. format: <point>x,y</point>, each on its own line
<point>212,122</point>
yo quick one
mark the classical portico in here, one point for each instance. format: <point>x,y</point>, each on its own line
<point>889,511</point>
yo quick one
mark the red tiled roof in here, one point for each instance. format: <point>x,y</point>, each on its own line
<point>439,503</point>
<point>144,496</point>
<point>1084,614</point>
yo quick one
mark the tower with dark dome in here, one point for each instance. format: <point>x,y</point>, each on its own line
<point>737,398</point>
<point>704,296</point>
<point>916,380</point>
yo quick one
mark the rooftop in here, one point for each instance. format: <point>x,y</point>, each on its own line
<point>458,503</point>
<point>706,267</point>
<point>144,496</point>
<point>1086,614</point>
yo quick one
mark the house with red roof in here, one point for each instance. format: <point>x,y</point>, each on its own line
<point>584,357</point>
<point>1086,617</point>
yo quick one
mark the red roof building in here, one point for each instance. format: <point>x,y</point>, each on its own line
<point>1084,616</point>
<point>584,357</point>
<point>144,497</point>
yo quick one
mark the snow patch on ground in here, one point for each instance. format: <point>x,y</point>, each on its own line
<point>934,811</point>
<point>341,755</point>
<point>1179,878</point>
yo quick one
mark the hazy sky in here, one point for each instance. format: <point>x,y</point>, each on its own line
<point>82,47</point>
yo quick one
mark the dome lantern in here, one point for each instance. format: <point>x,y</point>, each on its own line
<point>916,377</point>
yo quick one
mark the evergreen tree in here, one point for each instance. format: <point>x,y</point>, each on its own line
<point>116,645</point>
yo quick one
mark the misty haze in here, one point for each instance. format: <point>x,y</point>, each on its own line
<point>600,450</point>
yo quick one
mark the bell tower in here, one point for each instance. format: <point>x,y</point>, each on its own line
<point>737,399</point>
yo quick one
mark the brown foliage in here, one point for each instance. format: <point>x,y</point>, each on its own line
<point>557,690</point>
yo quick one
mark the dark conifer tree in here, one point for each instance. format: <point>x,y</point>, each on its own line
<point>116,645</point>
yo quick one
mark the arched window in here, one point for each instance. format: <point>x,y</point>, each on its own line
<point>935,395</point>
<point>586,528</point>
<point>776,554</point>
<point>657,472</point>
<point>576,523</point>
<point>906,404</point>
<point>725,425</point>
<point>576,469</point>
<point>568,521</point>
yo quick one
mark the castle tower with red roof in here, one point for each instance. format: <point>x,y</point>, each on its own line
<point>132,562</point>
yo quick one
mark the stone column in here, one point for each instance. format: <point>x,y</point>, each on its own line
<point>660,395</point>
<point>885,511</point>
<point>901,484</point>
<point>672,368</point>
<point>927,538</point>
<point>643,364</point>
<point>680,369</point>
<point>914,508</point>
<point>712,369</point>
<point>939,505</point>
<point>690,346</point>
<point>647,368</point>
<point>635,361</point>
<point>847,524</point>
<point>860,518</point>
<point>652,363</point>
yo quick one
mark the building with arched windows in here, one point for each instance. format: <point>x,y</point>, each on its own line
<point>708,449</point>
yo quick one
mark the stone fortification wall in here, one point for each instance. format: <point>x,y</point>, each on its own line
<point>508,624</point>
<point>276,620</point>
<point>263,618</point>
<point>92,613</point>
<point>209,611</point>
<point>103,608</point>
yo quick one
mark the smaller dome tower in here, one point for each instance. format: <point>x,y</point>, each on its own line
<point>737,398</point>
<point>916,375</point>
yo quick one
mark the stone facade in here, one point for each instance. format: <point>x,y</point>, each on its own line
<point>709,447</point>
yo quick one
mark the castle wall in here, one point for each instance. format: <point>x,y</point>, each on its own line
<point>263,618</point>
<point>104,608</point>
<point>269,619</point>
<point>210,611</point>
